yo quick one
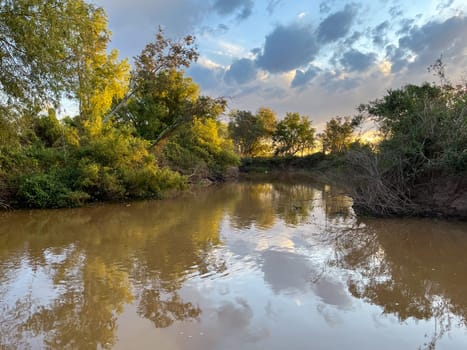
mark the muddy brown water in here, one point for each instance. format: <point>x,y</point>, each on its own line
<point>270,265</point>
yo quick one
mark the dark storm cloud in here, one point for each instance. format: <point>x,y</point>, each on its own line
<point>288,47</point>
<point>302,78</point>
<point>241,71</point>
<point>355,60</point>
<point>243,8</point>
<point>434,38</point>
<point>337,25</point>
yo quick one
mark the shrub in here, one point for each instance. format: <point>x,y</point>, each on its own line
<point>47,191</point>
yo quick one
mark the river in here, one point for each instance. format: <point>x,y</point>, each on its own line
<point>249,265</point>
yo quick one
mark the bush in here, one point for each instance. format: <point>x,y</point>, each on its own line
<point>47,191</point>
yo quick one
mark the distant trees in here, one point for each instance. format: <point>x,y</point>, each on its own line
<point>252,133</point>
<point>293,134</point>
<point>337,136</point>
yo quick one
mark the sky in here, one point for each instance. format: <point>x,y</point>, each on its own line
<point>319,58</point>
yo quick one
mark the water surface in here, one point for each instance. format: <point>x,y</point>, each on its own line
<point>280,265</point>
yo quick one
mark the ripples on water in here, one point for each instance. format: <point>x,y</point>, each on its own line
<point>243,266</point>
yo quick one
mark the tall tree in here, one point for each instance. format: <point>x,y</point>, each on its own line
<point>164,54</point>
<point>166,102</point>
<point>38,41</point>
<point>55,49</point>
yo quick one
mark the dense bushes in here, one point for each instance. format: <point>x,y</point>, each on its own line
<point>201,150</point>
<point>114,165</point>
<point>425,140</point>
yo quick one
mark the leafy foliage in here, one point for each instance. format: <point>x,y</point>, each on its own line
<point>293,134</point>
<point>252,133</point>
<point>337,136</point>
<point>425,139</point>
<point>201,150</point>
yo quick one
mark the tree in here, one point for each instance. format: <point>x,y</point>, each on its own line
<point>338,135</point>
<point>166,103</point>
<point>268,120</point>
<point>163,54</point>
<point>201,149</point>
<point>293,134</point>
<point>38,42</point>
<point>56,49</point>
<point>100,78</point>
<point>251,133</point>
<point>159,104</point>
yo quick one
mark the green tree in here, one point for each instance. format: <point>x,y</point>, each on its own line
<point>252,133</point>
<point>338,135</point>
<point>160,104</point>
<point>167,103</point>
<point>46,46</point>
<point>293,134</point>
<point>164,54</point>
<point>201,150</point>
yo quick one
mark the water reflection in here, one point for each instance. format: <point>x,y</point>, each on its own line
<point>411,268</point>
<point>249,265</point>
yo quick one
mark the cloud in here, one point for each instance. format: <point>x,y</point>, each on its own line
<point>256,51</point>
<point>337,25</point>
<point>429,41</point>
<point>288,47</point>
<point>324,7</point>
<point>349,41</point>
<point>241,71</point>
<point>379,33</point>
<point>334,82</point>
<point>209,78</point>
<point>444,5</point>
<point>134,23</point>
<point>354,60</point>
<point>219,30</point>
<point>397,57</point>
<point>243,8</point>
<point>395,11</point>
<point>272,4</point>
<point>302,78</point>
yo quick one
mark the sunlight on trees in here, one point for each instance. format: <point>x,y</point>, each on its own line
<point>293,134</point>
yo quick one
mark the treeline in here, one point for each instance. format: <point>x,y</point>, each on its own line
<point>138,132</point>
<point>417,167</point>
<point>145,131</point>
<point>261,134</point>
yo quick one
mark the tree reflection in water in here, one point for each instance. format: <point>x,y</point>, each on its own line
<point>96,260</point>
<point>411,268</point>
<point>66,276</point>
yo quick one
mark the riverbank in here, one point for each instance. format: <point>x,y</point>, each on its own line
<point>441,197</point>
